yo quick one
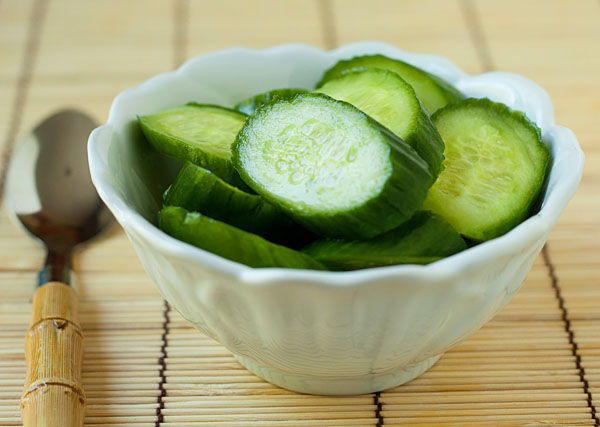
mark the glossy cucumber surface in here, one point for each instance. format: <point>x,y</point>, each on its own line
<point>199,133</point>
<point>197,189</point>
<point>331,167</point>
<point>495,167</point>
<point>433,91</point>
<point>230,242</point>
<point>391,101</point>
<point>425,238</point>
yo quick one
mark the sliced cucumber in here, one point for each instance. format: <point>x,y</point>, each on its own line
<point>432,90</point>
<point>494,168</point>
<point>248,106</point>
<point>425,238</point>
<point>230,242</point>
<point>330,166</point>
<point>197,189</point>
<point>199,133</point>
<point>391,101</point>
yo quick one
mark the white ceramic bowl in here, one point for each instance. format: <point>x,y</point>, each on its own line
<point>313,331</point>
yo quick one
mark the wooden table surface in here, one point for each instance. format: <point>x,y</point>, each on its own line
<point>537,362</point>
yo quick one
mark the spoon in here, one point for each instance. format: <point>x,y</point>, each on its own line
<point>50,190</point>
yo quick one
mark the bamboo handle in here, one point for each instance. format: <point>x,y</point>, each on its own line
<point>53,395</point>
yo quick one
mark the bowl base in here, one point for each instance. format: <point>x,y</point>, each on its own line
<point>338,385</point>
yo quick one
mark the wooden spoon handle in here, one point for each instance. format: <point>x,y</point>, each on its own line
<point>53,395</point>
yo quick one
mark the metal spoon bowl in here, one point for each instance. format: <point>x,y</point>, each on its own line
<point>50,190</point>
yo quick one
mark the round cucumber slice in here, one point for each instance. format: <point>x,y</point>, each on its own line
<point>425,238</point>
<point>248,106</point>
<point>433,91</point>
<point>198,133</point>
<point>391,101</point>
<point>197,189</point>
<point>331,167</point>
<point>494,168</point>
<point>230,242</point>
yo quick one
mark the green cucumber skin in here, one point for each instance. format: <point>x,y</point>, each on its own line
<point>423,136</point>
<point>248,106</point>
<point>450,92</point>
<point>179,149</point>
<point>197,189</point>
<point>230,242</point>
<point>435,92</point>
<point>401,196</point>
<point>428,143</point>
<point>504,225</point>
<point>425,238</point>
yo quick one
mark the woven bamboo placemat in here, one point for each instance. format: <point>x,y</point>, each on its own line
<point>537,362</point>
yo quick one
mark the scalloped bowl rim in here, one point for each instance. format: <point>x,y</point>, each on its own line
<point>528,231</point>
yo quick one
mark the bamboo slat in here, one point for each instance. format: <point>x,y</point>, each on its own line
<point>451,39</point>
<point>574,247</point>
<point>117,31</point>
<point>13,35</point>
<point>523,368</point>
<point>307,25</point>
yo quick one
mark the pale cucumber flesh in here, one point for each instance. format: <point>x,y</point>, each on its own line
<point>391,101</point>
<point>331,167</point>
<point>495,164</point>
<point>433,91</point>
<point>199,133</point>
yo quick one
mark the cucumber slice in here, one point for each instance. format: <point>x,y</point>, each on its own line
<point>391,101</point>
<point>331,167</point>
<point>494,168</point>
<point>230,242</point>
<point>197,189</point>
<point>425,238</point>
<point>198,133</point>
<point>248,106</point>
<point>433,91</point>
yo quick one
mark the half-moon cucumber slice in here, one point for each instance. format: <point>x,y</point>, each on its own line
<point>331,167</point>
<point>391,101</point>
<point>494,168</point>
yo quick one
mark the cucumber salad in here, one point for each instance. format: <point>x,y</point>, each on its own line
<point>382,163</point>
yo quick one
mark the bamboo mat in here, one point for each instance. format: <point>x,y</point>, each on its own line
<point>537,362</point>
